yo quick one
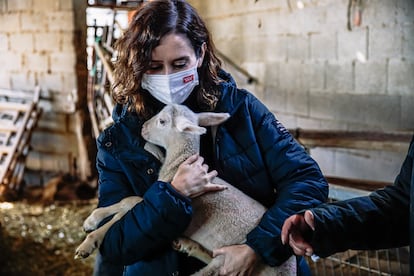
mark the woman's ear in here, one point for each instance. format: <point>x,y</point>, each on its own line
<point>203,52</point>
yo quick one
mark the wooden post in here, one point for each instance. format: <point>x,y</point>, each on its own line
<point>84,132</point>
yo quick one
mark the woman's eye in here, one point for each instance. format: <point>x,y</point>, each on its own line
<point>155,67</point>
<point>180,65</point>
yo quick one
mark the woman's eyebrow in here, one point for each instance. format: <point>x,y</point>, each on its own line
<point>182,58</point>
<point>186,58</point>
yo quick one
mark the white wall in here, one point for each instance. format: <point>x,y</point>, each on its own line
<point>315,73</point>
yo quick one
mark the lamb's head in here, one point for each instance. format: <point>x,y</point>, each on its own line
<point>176,123</point>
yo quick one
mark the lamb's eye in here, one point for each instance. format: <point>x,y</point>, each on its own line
<point>161,122</point>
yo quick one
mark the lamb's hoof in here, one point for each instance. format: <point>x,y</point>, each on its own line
<point>85,250</point>
<point>185,245</point>
<point>90,224</point>
<point>88,230</point>
<point>176,245</point>
<point>192,248</point>
<point>81,255</point>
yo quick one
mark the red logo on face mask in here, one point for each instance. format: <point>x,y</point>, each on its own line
<point>188,79</point>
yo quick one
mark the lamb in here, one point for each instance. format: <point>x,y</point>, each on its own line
<point>219,219</point>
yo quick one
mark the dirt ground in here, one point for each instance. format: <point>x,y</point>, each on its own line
<point>41,240</point>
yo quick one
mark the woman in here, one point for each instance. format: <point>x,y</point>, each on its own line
<point>167,56</point>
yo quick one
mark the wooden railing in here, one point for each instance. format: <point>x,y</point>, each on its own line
<point>19,114</point>
<point>369,140</point>
<point>100,103</point>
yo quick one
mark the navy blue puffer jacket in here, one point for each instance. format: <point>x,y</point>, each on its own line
<point>252,150</point>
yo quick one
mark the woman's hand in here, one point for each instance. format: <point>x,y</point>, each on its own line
<point>238,259</point>
<point>295,230</point>
<point>192,178</point>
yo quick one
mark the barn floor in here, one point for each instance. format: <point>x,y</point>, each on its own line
<point>41,240</point>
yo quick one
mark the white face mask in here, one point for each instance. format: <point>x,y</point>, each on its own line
<point>173,88</point>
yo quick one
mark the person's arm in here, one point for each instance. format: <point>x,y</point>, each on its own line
<point>298,182</point>
<point>380,220</point>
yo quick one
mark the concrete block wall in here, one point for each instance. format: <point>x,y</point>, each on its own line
<point>316,73</point>
<point>36,49</point>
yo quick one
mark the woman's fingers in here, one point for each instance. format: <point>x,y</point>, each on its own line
<point>190,160</point>
<point>214,187</point>
<point>211,175</point>
<point>194,179</point>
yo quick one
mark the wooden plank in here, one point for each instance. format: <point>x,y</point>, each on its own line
<point>10,128</point>
<point>361,184</point>
<point>36,96</point>
<point>367,140</point>
<point>100,51</point>
<point>108,102</point>
<point>353,135</point>
<point>19,95</point>
<point>14,106</point>
<point>91,106</point>
<point>4,149</point>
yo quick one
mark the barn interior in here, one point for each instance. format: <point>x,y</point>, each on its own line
<point>337,74</point>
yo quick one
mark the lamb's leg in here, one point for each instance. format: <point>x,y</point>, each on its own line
<point>94,239</point>
<point>193,249</point>
<point>93,220</point>
<point>212,269</point>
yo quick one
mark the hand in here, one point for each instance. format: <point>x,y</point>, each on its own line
<point>238,259</point>
<point>192,178</point>
<point>295,229</point>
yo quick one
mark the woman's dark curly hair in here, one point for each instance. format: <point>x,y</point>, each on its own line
<point>152,21</point>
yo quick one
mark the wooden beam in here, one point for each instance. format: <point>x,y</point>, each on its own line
<point>361,184</point>
<point>14,106</point>
<point>369,140</point>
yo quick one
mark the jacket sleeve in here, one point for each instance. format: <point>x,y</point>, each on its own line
<point>148,227</point>
<point>380,220</point>
<point>296,177</point>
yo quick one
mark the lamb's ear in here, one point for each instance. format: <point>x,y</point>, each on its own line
<point>212,118</point>
<point>185,125</point>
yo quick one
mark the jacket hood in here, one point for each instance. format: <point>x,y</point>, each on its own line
<point>231,95</point>
<point>226,78</point>
<point>128,118</point>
